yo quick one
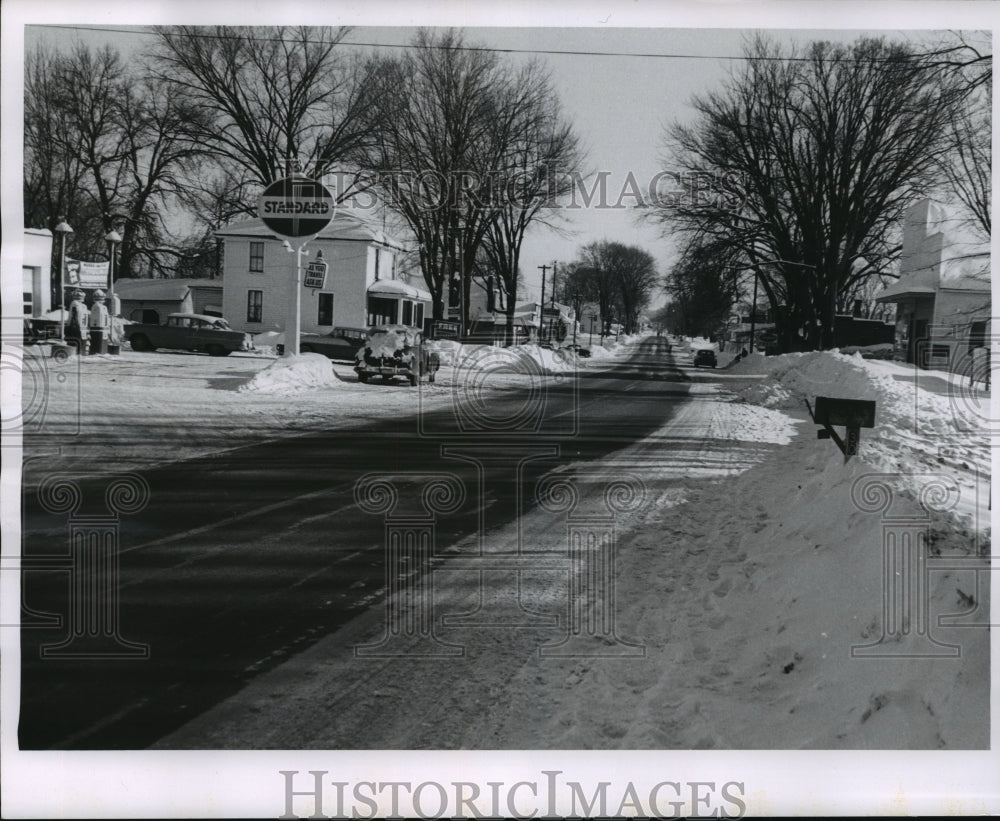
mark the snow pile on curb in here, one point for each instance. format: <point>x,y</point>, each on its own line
<point>551,361</point>
<point>793,377</point>
<point>448,350</point>
<point>291,375</point>
<point>266,343</point>
<point>526,360</point>
<point>916,431</point>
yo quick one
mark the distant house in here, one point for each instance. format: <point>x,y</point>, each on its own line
<point>36,272</point>
<point>361,287</point>
<point>942,296</point>
<point>151,300</point>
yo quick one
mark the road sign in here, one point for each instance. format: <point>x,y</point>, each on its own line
<point>296,207</point>
<point>315,274</point>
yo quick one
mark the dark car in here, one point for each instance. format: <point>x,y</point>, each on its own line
<point>189,332</point>
<point>705,358</point>
<point>396,350</point>
<point>340,343</point>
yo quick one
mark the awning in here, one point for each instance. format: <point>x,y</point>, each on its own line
<point>902,290</point>
<point>394,287</point>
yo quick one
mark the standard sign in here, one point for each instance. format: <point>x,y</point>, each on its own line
<point>296,207</point>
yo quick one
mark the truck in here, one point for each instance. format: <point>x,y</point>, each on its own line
<point>189,332</point>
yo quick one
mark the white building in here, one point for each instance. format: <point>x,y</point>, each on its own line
<point>942,295</point>
<point>36,272</point>
<point>361,286</point>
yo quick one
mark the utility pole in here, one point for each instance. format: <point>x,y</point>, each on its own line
<point>541,312</point>
<point>553,300</point>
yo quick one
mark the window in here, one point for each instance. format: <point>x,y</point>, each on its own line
<point>381,311</point>
<point>977,335</point>
<point>27,288</point>
<point>419,321</point>
<point>407,312</point>
<point>325,316</point>
<point>145,315</point>
<point>255,306</point>
<point>256,258</point>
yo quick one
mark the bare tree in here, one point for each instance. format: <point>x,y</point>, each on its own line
<point>968,167</point>
<point>577,287</point>
<point>636,273</point>
<point>54,176</point>
<point>435,118</point>
<point>271,99</point>
<point>597,264</point>
<point>965,58</point>
<point>829,147</point>
<point>703,285</point>
<point>103,148</point>
<point>538,153</point>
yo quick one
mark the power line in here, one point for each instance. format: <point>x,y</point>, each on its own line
<point>487,49</point>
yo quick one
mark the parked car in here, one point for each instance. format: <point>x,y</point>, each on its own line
<point>340,343</point>
<point>396,350</point>
<point>189,332</point>
<point>705,357</point>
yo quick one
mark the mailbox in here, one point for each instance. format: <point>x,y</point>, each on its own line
<point>853,414</point>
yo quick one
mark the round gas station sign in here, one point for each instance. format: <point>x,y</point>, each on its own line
<point>296,207</point>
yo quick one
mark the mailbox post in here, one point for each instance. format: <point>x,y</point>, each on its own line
<point>852,414</point>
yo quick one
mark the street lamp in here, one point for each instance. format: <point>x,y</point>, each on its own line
<point>62,229</point>
<point>113,238</point>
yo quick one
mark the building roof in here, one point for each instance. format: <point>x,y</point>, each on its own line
<point>940,252</point>
<point>342,227</point>
<point>161,290</point>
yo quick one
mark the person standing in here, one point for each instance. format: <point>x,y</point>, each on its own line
<point>100,324</point>
<point>78,326</point>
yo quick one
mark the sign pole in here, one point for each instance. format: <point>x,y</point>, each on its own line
<point>298,208</point>
<point>294,318</point>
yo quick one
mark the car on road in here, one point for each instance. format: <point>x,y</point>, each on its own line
<point>340,343</point>
<point>396,350</point>
<point>705,358</point>
<point>189,332</point>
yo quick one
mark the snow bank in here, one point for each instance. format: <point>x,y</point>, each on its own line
<point>292,374</point>
<point>916,430</point>
<point>559,360</point>
<point>267,342</point>
<point>528,360</point>
<point>448,350</point>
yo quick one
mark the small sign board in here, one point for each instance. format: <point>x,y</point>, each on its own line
<point>444,329</point>
<point>87,274</point>
<point>296,207</point>
<point>315,274</point>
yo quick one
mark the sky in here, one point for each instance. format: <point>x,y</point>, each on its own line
<point>621,86</point>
